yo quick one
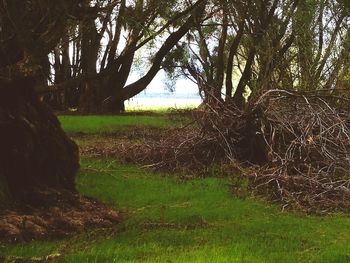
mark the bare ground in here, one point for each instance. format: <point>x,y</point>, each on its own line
<point>57,216</point>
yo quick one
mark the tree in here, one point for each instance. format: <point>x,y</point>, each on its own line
<point>35,153</point>
<point>232,33</point>
<point>102,59</point>
<point>266,45</point>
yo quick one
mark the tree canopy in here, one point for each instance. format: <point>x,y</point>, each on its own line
<point>229,48</point>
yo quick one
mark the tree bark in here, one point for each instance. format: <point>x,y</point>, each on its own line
<point>229,70</point>
<point>35,153</point>
<point>238,96</point>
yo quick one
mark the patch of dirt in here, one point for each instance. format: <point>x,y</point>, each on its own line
<point>58,215</point>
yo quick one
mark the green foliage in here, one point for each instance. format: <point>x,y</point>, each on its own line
<point>345,5</point>
<point>176,56</point>
<point>172,64</point>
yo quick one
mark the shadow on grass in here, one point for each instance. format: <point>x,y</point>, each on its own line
<point>171,220</point>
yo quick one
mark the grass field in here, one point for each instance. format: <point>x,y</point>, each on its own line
<point>199,220</point>
<point>108,124</point>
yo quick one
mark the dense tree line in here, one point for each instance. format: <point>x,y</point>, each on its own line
<point>246,47</point>
<point>229,48</point>
<point>95,57</point>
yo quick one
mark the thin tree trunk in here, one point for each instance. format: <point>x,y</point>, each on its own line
<point>233,51</point>
<point>247,72</point>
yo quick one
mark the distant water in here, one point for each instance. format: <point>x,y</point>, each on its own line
<point>163,100</point>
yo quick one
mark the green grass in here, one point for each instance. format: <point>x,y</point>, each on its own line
<point>198,220</point>
<point>171,220</point>
<point>107,124</point>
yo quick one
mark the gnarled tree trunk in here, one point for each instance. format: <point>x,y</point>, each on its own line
<point>35,153</point>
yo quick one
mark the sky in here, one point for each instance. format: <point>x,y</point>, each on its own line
<point>184,96</point>
<point>183,86</point>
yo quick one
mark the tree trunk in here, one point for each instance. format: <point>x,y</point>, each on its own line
<point>35,153</point>
<point>233,51</point>
<point>118,97</point>
<point>238,98</point>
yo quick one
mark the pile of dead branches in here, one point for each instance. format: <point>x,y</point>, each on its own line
<point>301,142</point>
<point>297,143</point>
<point>182,150</point>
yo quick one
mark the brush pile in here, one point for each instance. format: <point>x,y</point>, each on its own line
<point>293,147</point>
<point>300,142</point>
<point>185,150</point>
